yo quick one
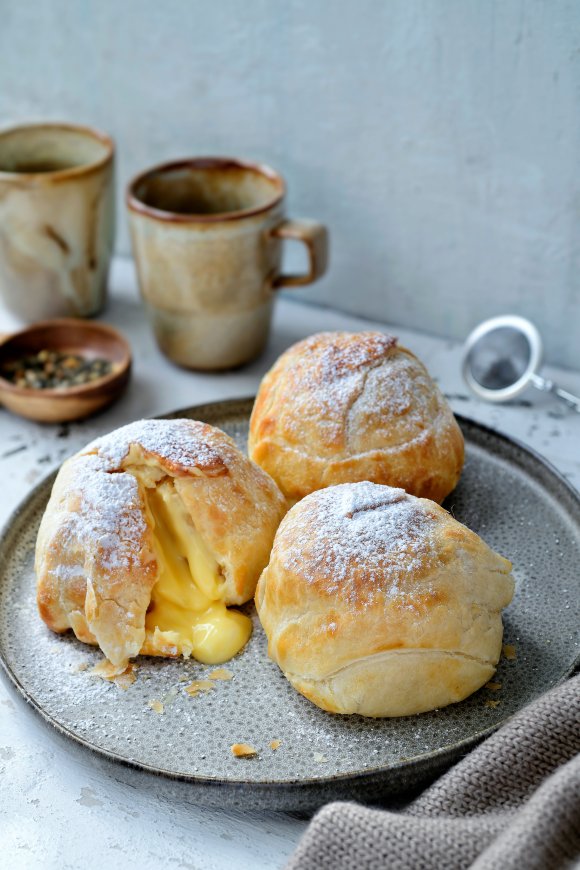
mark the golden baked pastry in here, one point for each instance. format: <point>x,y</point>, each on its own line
<point>340,407</point>
<point>379,603</point>
<point>149,533</point>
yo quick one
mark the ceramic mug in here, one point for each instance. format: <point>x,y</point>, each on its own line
<point>56,219</point>
<point>207,238</point>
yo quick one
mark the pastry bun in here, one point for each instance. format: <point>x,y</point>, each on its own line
<point>146,526</point>
<point>341,407</point>
<point>379,603</point>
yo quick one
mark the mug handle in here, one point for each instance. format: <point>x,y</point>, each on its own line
<point>315,237</point>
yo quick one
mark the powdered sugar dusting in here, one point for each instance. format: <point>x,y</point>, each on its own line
<point>340,355</point>
<point>327,373</point>
<point>401,388</point>
<point>106,513</point>
<point>183,443</point>
<point>351,385</point>
<point>369,538</point>
<point>338,362</point>
<point>68,573</point>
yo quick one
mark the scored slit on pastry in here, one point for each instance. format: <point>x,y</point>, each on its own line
<point>150,535</point>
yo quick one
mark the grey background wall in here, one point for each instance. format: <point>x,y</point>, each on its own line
<point>438,139</point>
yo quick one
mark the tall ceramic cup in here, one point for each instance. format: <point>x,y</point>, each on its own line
<point>207,238</point>
<point>56,219</point>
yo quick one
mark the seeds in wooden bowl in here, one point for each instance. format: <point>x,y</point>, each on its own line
<point>53,370</point>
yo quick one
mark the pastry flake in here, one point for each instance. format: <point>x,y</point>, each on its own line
<point>493,687</point>
<point>221,674</point>
<point>199,686</point>
<point>156,706</point>
<point>509,652</point>
<point>243,750</point>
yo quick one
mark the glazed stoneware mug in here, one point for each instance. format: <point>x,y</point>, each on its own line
<point>56,219</point>
<point>207,238</point>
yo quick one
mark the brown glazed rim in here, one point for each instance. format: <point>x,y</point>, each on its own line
<point>137,205</point>
<point>83,390</point>
<point>60,174</point>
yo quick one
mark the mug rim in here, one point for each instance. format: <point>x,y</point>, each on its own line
<point>135,204</point>
<point>70,171</point>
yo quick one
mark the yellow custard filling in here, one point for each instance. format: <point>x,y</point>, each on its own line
<point>187,609</point>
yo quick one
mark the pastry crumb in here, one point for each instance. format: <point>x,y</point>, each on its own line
<point>170,697</point>
<point>82,666</point>
<point>492,704</point>
<point>509,651</point>
<point>184,678</point>
<point>198,686</point>
<point>221,674</point>
<point>126,679</point>
<point>156,706</point>
<point>493,687</point>
<point>319,757</point>
<point>123,677</point>
<point>243,750</point>
<point>275,744</point>
<point>107,670</point>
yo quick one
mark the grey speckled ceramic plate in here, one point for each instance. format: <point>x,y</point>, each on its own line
<point>507,494</point>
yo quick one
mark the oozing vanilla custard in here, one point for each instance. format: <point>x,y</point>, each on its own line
<point>187,609</point>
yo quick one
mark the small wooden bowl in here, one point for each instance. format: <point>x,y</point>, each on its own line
<point>66,335</point>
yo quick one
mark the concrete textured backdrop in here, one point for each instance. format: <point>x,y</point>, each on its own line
<point>438,139</point>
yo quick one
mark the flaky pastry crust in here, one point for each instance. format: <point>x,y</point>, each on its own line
<point>95,559</point>
<point>341,407</point>
<point>379,603</point>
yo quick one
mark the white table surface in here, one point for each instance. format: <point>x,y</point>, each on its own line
<point>62,807</point>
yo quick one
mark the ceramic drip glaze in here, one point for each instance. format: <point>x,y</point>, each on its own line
<point>207,240</point>
<point>56,220</point>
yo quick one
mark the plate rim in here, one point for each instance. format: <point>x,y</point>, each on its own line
<point>437,758</point>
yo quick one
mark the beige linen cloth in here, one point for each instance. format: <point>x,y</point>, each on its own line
<point>512,803</point>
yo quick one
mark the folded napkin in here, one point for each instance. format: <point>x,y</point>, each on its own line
<point>513,802</point>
